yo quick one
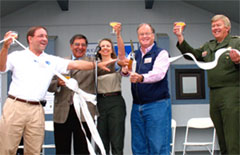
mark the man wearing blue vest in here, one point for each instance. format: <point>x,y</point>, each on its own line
<point>151,110</point>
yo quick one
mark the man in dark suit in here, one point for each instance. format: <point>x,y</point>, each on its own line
<point>66,122</point>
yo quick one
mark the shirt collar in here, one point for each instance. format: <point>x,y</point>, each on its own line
<point>147,49</point>
<point>74,58</point>
<point>42,54</point>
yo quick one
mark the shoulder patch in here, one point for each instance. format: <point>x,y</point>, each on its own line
<point>201,46</point>
<point>236,37</point>
<point>212,40</point>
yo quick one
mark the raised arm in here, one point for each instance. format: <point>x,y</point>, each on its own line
<point>178,31</point>
<point>81,65</point>
<point>86,65</point>
<point>4,51</point>
<point>120,43</point>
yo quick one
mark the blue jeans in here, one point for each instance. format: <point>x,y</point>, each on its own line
<point>151,128</point>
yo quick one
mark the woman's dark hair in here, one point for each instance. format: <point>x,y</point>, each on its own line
<point>113,54</point>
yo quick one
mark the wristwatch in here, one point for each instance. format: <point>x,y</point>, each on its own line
<point>142,78</point>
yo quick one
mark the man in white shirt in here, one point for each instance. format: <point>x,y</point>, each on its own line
<point>32,71</point>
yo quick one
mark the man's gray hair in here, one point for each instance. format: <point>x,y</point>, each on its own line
<point>225,19</point>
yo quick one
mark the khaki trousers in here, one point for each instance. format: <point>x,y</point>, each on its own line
<point>21,119</point>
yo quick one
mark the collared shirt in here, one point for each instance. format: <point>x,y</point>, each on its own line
<point>146,50</point>
<point>74,58</point>
<point>160,66</point>
<point>31,78</point>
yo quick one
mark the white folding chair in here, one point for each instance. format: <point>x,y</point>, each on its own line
<point>200,123</point>
<point>48,127</point>
<point>174,125</point>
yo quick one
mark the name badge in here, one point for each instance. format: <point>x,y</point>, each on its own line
<point>147,60</point>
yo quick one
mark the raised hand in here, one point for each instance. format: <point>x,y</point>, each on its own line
<point>178,28</point>
<point>10,35</point>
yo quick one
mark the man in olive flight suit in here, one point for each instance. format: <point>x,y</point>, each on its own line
<point>223,80</point>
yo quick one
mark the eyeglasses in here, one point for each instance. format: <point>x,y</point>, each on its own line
<point>146,34</point>
<point>78,44</point>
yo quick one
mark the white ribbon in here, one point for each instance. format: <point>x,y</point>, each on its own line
<point>95,135</point>
<point>134,65</point>
<point>79,99</point>
<point>5,39</point>
<point>134,62</point>
<point>205,65</point>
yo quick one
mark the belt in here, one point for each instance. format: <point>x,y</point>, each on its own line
<point>22,100</point>
<point>109,94</point>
